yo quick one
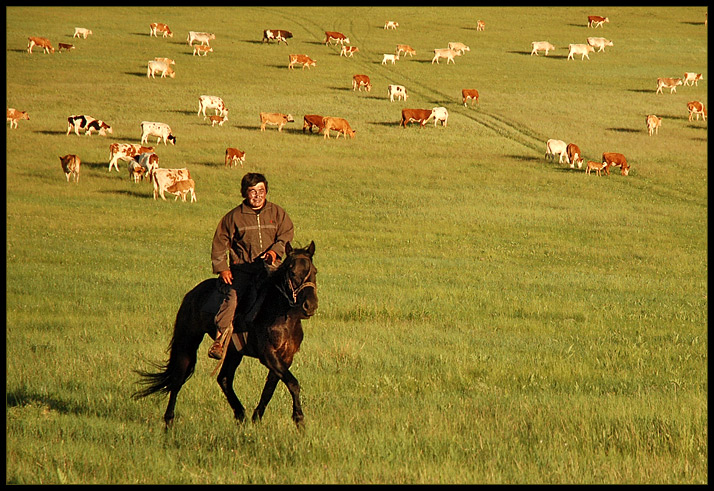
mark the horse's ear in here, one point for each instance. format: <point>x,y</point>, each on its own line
<point>288,248</point>
<point>311,248</point>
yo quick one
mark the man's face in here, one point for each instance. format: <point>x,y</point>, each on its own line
<point>256,196</point>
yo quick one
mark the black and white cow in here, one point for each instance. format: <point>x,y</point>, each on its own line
<point>277,34</point>
<point>87,124</point>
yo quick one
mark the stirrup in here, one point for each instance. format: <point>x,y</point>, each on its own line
<point>216,350</point>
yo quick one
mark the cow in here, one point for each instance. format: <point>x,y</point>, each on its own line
<point>13,115</point>
<point>199,48</point>
<point>125,151</point>
<point>159,130</point>
<point>168,61</point>
<point>480,25</point>
<point>43,43</point>
<point>447,53</point>
<point>81,31</point>
<point>695,107</point>
<point>181,188</point>
<point>70,165</point>
<point>143,164</point>
<point>154,66</point>
<point>440,114</point>
<point>275,119</point>
<point>599,43</point>
<point>693,78</point>
<point>136,171</point>
<point>420,116</point>
<point>596,21</point>
<point>64,46</point>
<point>668,83</point>
<point>460,47</point>
<point>338,37</point>
<point>575,156</point>
<point>613,159</point>
<point>397,90</point>
<point>557,147</point>
<point>361,80</point>
<point>596,166</point>
<point>217,119</point>
<point>541,46</point>
<point>211,102</point>
<point>87,124</point>
<point>388,57</point>
<point>339,125</point>
<point>653,123</point>
<point>467,94</point>
<point>348,50</point>
<point>156,27</point>
<point>579,49</point>
<point>390,24</point>
<point>234,156</point>
<point>162,179</point>
<point>204,37</point>
<point>408,50</point>
<point>277,34</point>
<point>304,60</point>
<point>311,121</point>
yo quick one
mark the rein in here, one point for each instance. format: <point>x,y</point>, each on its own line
<point>293,292</point>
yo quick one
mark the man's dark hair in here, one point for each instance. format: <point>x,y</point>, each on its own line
<point>251,179</point>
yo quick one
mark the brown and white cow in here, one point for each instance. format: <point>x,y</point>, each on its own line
<point>480,25</point>
<point>575,156</point>
<point>136,171</point>
<point>43,43</point>
<point>406,49</point>
<point>304,60</point>
<point>541,46</point>
<point>234,156</point>
<point>162,179</point>
<point>596,21</point>
<point>211,102</point>
<point>181,188</point>
<point>461,48</point>
<point>163,59</point>
<point>467,94</point>
<point>311,121</point>
<point>696,107</point>
<point>154,66</point>
<point>397,90</point>
<point>199,49</point>
<point>275,119</point>
<point>70,166</point>
<point>338,37</point>
<point>653,123</point>
<point>447,53</point>
<point>594,166</point>
<point>159,130</point>
<point>87,124</point>
<point>614,159</point>
<point>599,43</point>
<point>143,164</point>
<point>348,50</point>
<point>420,116</point>
<point>156,27</point>
<point>390,24</point>
<point>579,49</point>
<point>13,116</point>
<point>557,147</point>
<point>81,31</point>
<point>64,46</point>
<point>340,125</point>
<point>204,37</point>
<point>277,34</point>
<point>358,81</point>
<point>692,78</point>
<point>125,151</point>
<point>668,83</point>
<point>217,119</point>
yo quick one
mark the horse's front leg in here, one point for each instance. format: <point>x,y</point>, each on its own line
<point>225,380</point>
<point>293,387</point>
<point>270,383</point>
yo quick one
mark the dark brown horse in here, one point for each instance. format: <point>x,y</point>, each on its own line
<point>289,295</point>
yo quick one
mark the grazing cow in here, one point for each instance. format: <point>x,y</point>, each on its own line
<point>420,116</point>
<point>599,43</point>
<point>87,124</point>
<point>43,43</point>
<point>275,119</point>
<point>596,166</point>
<point>204,37</point>
<point>653,123</point>
<point>277,34</point>
<point>156,27</point>
<point>397,90</point>
<point>181,188</point>
<point>579,49</point>
<point>557,147</point>
<point>541,46</point>
<point>234,156</point>
<point>447,53</point>
<point>695,107</point>
<point>338,37</point>
<point>348,50</point>
<point>70,166</point>
<point>440,114</point>
<point>339,125</point>
<point>694,78</point>
<point>304,60</point>
<point>159,130</point>
<point>387,57</point>
<point>211,102</point>
<point>668,83</point>
<point>81,31</point>
<point>64,46</point>
<point>125,151</point>
<point>361,80</point>
<point>480,25</point>
<point>408,50</point>
<point>168,61</point>
<point>217,119</point>
<point>199,48</point>
<point>143,164</point>
<point>390,24</point>
<point>13,115</point>
<point>575,156</point>
<point>162,179</point>
<point>596,21</point>
<point>136,171</point>
<point>460,47</point>
<point>159,66</point>
<point>467,94</point>
<point>613,159</point>
<point>311,121</point>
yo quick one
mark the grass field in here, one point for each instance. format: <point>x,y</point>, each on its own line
<point>486,315</point>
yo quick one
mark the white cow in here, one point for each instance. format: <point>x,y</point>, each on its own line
<point>599,43</point>
<point>541,46</point>
<point>557,147</point>
<point>203,37</point>
<point>579,49</point>
<point>162,179</point>
<point>447,53</point>
<point>397,90</point>
<point>211,102</point>
<point>159,66</point>
<point>440,114</point>
<point>693,78</point>
<point>389,57</point>
<point>160,130</point>
<point>460,47</point>
<point>81,31</point>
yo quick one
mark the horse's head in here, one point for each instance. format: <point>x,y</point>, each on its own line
<point>301,282</point>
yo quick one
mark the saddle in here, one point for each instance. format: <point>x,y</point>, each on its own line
<point>250,303</point>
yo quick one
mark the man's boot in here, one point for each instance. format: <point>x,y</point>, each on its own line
<point>216,349</point>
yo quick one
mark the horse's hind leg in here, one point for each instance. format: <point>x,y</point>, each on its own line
<point>225,380</point>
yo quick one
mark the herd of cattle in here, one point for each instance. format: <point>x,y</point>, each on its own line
<point>143,162</point>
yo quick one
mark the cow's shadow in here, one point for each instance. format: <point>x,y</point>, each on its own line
<point>136,74</point>
<point>624,130</point>
<point>126,192</point>
<point>50,132</point>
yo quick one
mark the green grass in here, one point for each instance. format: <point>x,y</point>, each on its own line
<point>486,316</point>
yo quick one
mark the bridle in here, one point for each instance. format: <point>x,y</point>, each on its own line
<point>290,292</point>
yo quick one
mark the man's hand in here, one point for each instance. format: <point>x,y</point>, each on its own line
<point>227,276</point>
<point>270,257</point>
